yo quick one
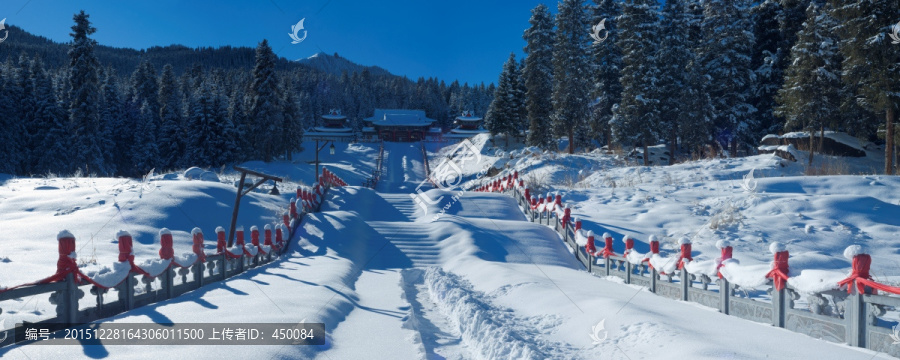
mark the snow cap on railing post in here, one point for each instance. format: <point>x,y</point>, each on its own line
<point>67,256</point>
<point>780,268</point>
<point>285,218</point>
<point>293,207</point>
<point>268,235</point>
<point>558,201</point>
<point>254,235</point>
<point>685,252</point>
<point>860,274</point>
<point>567,214</point>
<point>534,202</point>
<point>239,234</point>
<point>549,198</point>
<point>577,224</point>
<point>166,252</point>
<point>197,236</point>
<point>126,246</point>
<point>220,240</point>
<point>527,193</point>
<point>299,191</point>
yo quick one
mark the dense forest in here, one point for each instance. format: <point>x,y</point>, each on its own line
<point>81,107</point>
<point>707,78</point>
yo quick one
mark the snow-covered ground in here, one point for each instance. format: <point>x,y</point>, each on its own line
<point>480,282</point>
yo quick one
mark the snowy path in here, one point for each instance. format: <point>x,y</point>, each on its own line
<point>374,321</point>
<point>501,288</point>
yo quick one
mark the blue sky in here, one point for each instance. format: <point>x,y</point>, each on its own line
<point>463,39</point>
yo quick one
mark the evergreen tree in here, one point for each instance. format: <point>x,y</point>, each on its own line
<point>607,61</point>
<point>637,118</point>
<point>538,76</point>
<point>810,97</point>
<point>84,98</point>
<point>145,150</point>
<point>171,135</point>
<point>265,112</point>
<point>114,117</point>
<point>871,64</point>
<point>292,128</point>
<point>571,88</point>
<point>503,114</point>
<point>50,131</point>
<point>12,121</point>
<point>766,65</point>
<point>674,55</point>
<point>725,60</point>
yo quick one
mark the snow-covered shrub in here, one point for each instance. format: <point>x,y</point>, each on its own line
<point>537,181</point>
<point>729,213</point>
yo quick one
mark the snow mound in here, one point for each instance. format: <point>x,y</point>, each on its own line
<point>193,173</point>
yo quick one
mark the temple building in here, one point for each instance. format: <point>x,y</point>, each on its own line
<point>467,125</point>
<point>399,125</point>
<point>334,127</point>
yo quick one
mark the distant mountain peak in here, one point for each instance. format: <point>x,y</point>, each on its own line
<point>336,64</point>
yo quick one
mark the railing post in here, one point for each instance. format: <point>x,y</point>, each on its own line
<point>628,271</point>
<point>608,264</point>
<point>724,296</point>
<point>71,300</point>
<point>654,277</point>
<point>857,316</point>
<point>685,284</point>
<point>778,304</point>
<point>222,261</point>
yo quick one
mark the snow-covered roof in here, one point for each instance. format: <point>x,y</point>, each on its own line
<point>334,117</point>
<point>400,117</point>
<point>469,118</point>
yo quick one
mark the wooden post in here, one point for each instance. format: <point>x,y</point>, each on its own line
<point>241,192</point>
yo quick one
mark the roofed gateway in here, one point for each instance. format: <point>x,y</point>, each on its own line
<point>399,125</point>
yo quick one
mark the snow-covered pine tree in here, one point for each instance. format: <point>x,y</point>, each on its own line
<point>502,114</point>
<point>84,98</point>
<point>10,124</point>
<point>238,117</point>
<point>607,62</point>
<point>292,130</point>
<point>171,131</point>
<point>538,76</point>
<point>637,119</point>
<point>571,87</point>
<point>810,98</point>
<point>55,152</point>
<point>695,122</point>
<point>871,62</point>
<point>265,112</point>
<point>519,106</point>
<point>725,60</point>
<point>766,65</point>
<point>791,16</point>
<point>32,125</point>
<point>674,54</point>
<point>113,118</point>
<point>145,150</point>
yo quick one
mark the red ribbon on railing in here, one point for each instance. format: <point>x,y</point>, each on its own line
<point>780,269</point>
<point>590,248</point>
<point>198,244</point>
<point>166,252</point>
<point>726,254</point>
<point>608,247</point>
<point>685,254</point>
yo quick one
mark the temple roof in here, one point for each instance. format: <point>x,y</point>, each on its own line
<point>399,117</point>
